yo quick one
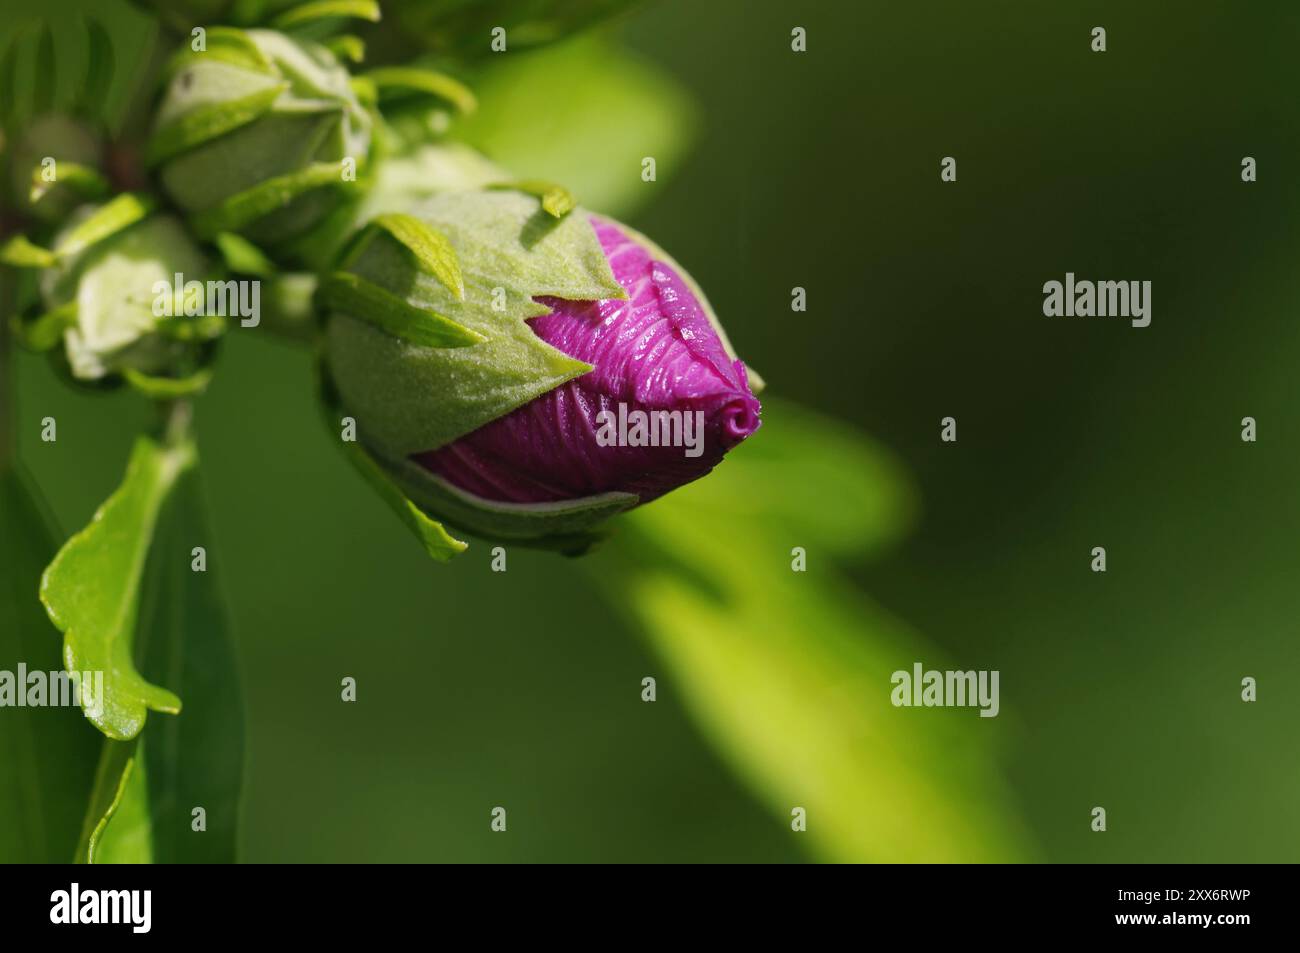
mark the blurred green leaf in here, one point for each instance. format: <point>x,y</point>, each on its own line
<point>789,672</point>
<point>463,29</point>
<point>48,754</point>
<point>585,113</point>
<point>91,589</point>
<point>195,760</point>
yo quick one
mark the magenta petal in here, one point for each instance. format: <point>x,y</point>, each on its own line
<point>656,351</point>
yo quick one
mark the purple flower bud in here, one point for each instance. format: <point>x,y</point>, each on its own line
<point>662,406</point>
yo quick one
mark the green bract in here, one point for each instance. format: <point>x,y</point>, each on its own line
<point>258,133</point>
<point>409,397</point>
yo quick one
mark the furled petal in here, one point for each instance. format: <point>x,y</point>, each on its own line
<point>655,352</point>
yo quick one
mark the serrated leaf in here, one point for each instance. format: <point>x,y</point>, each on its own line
<point>109,219</point>
<point>48,754</point>
<point>429,246</point>
<point>91,589</point>
<point>198,125</point>
<point>415,80</point>
<point>510,253</point>
<point>325,9</point>
<point>197,758</point>
<point>372,304</point>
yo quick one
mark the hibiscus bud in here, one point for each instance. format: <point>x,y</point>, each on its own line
<point>258,133</point>
<point>114,306</point>
<point>600,379</point>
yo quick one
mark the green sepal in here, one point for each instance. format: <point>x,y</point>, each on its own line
<point>414,80</point>
<point>243,257</point>
<point>347,47</point>
<point>570,526</point>
<point>203,327</point>
<point>19,252</point>
<point>46,331</point>
<point>429,246</point>
<point>87,182</point>
<point>226,44</point>
<point>557,201</point>
<point>354,295</point>
<point>167,388</point>
<point>114,216</point>
<point>243,209</point>
<point>433,536</point>
<point>91,589</point>
<point>325,9</point>
<point>206,122</point>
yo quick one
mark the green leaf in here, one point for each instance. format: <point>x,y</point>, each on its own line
<point>557,201</point>
<point>510,253</point>
<point>91,589</point>
<point>206,122</point>
<point>18,252</point>
<point>392,315</point>
<point>120,798</point>
<point>47,330</point>
<point>100,64</point>
<point>585,112</point>
<point>393,81</point>
<point>48,754</point>
<point>464,29</point>
<point>429,246</point>
<point>324,9</point>
<point>243,209</point>
<point>789,673</point>
<point>197,758</point>
<point>109,219</point>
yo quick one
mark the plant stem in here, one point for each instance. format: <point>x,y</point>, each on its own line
<point>177,416</point>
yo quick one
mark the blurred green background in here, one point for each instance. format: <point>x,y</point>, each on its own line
<point>821,170</point>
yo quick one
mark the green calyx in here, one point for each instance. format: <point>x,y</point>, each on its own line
<point>259,133</point>
<point>409,396</point>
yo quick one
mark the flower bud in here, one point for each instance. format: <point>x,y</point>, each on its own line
<point>600,378</point>
<point>259,134</point>
<point>105,303</point>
